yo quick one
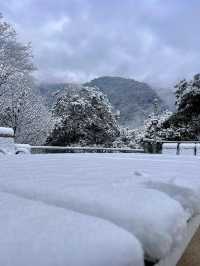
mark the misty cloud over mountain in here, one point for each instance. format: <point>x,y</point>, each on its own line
<point>77,40</point>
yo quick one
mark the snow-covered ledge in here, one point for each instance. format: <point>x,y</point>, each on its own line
<point>174,257</point>
<point>7,141</point>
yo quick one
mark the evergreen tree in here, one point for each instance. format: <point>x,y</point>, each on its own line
<point>83,116</point>
<point>185,122</point>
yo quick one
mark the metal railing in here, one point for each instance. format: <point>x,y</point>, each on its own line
<point>152,146</point>
<point>58,149</point>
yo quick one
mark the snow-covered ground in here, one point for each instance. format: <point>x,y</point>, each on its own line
<point>33,233</point>
<point>124,200</point>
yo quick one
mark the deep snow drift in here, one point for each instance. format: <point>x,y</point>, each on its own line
<point>151,197</point>
<point>33,234</point>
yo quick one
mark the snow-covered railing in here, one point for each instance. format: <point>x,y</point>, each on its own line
<point>58,149</point>
<point>172,147</point>
<point>181,147</point>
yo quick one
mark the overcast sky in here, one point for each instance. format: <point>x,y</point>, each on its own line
<point>156,41</point>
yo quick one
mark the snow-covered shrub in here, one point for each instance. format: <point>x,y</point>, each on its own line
<point>83,116</point>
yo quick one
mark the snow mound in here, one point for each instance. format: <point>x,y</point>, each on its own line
<point>6,131</point>
<point>151,196</point>
<point>188,198</point>
<point>134,209</point>
<point>34,233</point>
<point>22,148</point>
<point>7,146</point>
<point>6,141</point>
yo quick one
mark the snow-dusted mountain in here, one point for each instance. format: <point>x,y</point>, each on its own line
<point>133,99</point>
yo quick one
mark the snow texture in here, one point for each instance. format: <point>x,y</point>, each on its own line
<point>33,233</point>
<point>185,196</point>
<point>112,187</point>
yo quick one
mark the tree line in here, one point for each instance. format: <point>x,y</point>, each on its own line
<point>81,115</point>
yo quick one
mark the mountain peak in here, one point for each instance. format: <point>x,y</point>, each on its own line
<point>134,99</point>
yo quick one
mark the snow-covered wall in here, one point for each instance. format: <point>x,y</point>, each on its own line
<point>7,141</point>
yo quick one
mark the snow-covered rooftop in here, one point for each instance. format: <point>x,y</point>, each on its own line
<point>128,201</point>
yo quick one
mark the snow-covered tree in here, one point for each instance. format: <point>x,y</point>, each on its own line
<point>20,107</point>
<point>148,130</point>
<point>24,111</point>
<point>185,122</point>
<point>83,116</point>
<point>15,58</point>
<point>126,139</point>
<point>188,96</point>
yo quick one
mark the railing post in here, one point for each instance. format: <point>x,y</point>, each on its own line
<point>195,149</point>
<point>178,149</point>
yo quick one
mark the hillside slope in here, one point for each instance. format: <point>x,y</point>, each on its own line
<point>134,99</point>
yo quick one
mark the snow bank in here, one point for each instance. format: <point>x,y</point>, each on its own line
<point>6,131</point>
<point>7,145</point>
<point>6,141</point>
<point>189,199</point>
<point>127,206</point>
<point>33,234</point>
<point>22,148</point>
<point>112,186</point>
<point>176,176</point>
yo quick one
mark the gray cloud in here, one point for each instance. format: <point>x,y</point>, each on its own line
<point>156,41</point>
